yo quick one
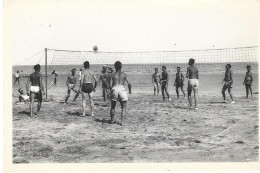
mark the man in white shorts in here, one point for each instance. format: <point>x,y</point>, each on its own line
<point>36,89</point>
<point>118,92</point>
<point>23,98</point>
<point>193,82</point>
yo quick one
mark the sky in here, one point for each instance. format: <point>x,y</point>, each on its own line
<point>124,25</point>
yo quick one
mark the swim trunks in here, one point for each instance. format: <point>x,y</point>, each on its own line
<point>193,83</point>
<point>118,93</point>
<point>87,87</point>
<point>35,89</point>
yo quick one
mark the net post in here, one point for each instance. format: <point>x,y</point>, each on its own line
<point>46,73</point>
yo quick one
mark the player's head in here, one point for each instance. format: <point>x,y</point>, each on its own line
<point>228,66</point>
<point>104,68</point>
<point>156,70</point>
<point>191,61</point>
<point>20,90</point>
<point>37,67</point>
<point>73,71</point>
<point>80,70</point>
<point>163,68</point>
<point>178,69</point>
<point>248,67</point>
<point>53,71</point>
<point>86,64</point>
<point>17,71</point>
<point>118,65</point>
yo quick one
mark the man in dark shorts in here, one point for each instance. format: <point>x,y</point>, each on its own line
<point>36,89</point>
<point>156,81</point>
<point>193,82</point>
<point>118,92</point>
<point>228,81</point>
<point>248,81</point>
<point>105,79</point>
<point>17,78</point>
<point>179,82</point>
<point>71,84</point>
<point>164,83</point>
<point>86,87</point>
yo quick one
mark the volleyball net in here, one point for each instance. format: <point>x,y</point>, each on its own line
<point>208,60</point>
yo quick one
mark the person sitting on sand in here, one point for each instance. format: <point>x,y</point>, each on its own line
<point>228,81</point>
<point>105,79</point>
<point>86,87</point>
<point>54,78</point>
<point>193,82</point>
<point>71,84</point>
<point>23,98</point>
<point>164,83</point>
<point>179,82</point>
<point>17,78</point>
<point>118,92</point>
<point>248,81</point>
<point>36,89</point>
<point>156,81</point>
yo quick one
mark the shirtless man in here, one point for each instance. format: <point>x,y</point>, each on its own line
<point>71,84</point>
<point>54,78</point>
<point>248,81</point>
<point>36,89</point>
<point>17,78</point>
<point>228,81</point>
<point>179,82</point>
<point>118,92</point>
<point>86,87</point>
<point>105,79</point>
<point>193,82</point>
<point>164,83</point>
<point>156,81</point>
<point>23,98</point>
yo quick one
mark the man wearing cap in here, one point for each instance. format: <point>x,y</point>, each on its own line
<point>71,83</point>
<point>105,79</point>
<point>248,81</point>
<point>23,97</point>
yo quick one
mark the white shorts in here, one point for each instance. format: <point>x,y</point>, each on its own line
<point>118,93</point>
<point>25,97</point>
<point>35,89</point>
<point>193,83</point>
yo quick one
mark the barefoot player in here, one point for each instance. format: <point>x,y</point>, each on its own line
<point>105,79</point>
<point>193,82</point>
<point>54,78</point>
<point>17,78</point>
<point>86,87</point>
<point>118,92</point>
<point>156,81</point>
<point>164,83</point>
<point>228,81</point>
<point>71,84</point>
<point>179,82</point>
<point>248,81</point>
<point>36,89</point>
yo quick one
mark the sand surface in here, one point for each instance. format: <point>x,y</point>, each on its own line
<point>156,131</point>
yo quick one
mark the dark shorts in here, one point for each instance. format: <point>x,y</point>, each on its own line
<point>38,96</point>
<point>227,85</point>
<point>179,84</point>
<point>87,87</point>
<point>105,85</point>
<point>248,84</point>
<point>164,85</point>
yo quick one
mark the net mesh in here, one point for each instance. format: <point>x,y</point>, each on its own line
<point>208,60</point>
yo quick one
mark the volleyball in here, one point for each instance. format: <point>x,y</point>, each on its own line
<point>95,48</point>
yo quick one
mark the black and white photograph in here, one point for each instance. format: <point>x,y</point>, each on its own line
<point>132,81</point>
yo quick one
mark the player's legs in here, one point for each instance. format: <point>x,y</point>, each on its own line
<point>154,88</point>
<point>223,92</point>
<point>177,90</point>
<point>90,95</point>
<point>189,90</point>
<point>112,111</point>
<point>123,113</point>
<point>84,97</point>
<point>250,88</point>
<point>39,97</point>
<point>195,90</point>
<point>182,91</point>
<point>31,103</point>
<point>230,93</point>
<point>76,96</point>
<point>104,94</point>
<point>247,88</point>
<point>158,88</point>
<point>166,91</point>
<point>16,79</point>
<point>163,88</point>
<point>68,95</point>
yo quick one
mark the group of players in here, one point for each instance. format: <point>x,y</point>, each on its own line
<point>113,86</point>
